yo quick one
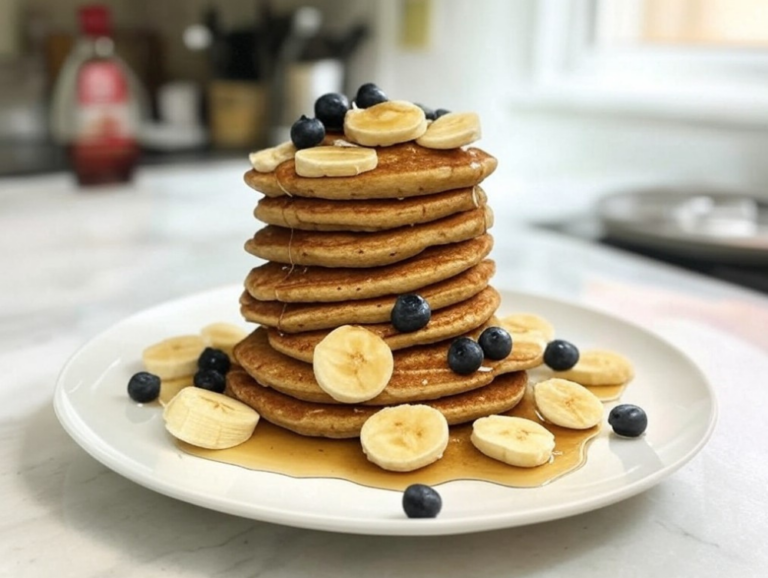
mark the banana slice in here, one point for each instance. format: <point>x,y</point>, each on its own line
<point>209,420</point>
<point>513,440</point>
<point>352,364</point>
<point>567,404</point>
<point>335,161</point>
<point>222,335</point>
<point>451,131</point>
<point>174,357</point>
<point>404,438</point>
<point>385,124</point>
<point>267,160</point>
<point>599,367</point>
<point>530,335</point>
<point>528,327</point>
<point>525,355</point>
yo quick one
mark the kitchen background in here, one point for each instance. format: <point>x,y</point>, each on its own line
<point>664,97</point>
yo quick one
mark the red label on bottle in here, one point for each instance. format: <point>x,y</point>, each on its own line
<point>104,147</point>
<point>101,83</point>
<point>102,103</point>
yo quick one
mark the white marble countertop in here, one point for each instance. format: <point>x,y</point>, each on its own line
<point>75,262</point>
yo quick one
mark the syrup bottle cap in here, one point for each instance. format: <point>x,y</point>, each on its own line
<point>95,20</point>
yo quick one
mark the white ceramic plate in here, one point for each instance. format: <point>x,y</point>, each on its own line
<point>92,405</point>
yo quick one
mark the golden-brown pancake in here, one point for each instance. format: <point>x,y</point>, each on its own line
<point>345,421</point>
<point>420,373</point>
<point>444,324</point>
<point>296,317</point>
<point>275,281</point>
<point>404,170</point>
<point>365,215</point>
<point>341,249</point>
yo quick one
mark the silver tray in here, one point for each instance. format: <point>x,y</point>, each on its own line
<point>707,225</point>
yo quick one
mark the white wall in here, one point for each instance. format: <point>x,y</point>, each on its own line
<point>482,49</point>
<point>478,49</point>
<point>584,145</point>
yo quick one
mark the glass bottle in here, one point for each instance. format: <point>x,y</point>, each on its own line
<point>97,105</point>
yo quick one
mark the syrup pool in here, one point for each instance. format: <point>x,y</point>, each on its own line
<point>277,450</point>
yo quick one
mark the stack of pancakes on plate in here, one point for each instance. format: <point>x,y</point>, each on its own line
<point>339,251</point>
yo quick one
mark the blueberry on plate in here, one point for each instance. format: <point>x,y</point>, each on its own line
<point>210,380</point>
<point>421,501</point>
<point>628,420</point>
<point>307,132</point>
<point>465,356</point>
<point>440,112</point>
<point>496,343</point>
<point>428,112</point>
<point>144,387</point>
<point>368,95</point>
<point>330,110</point>
<point>561,355</point>
<point>214,359</point>
<point>410,313</point>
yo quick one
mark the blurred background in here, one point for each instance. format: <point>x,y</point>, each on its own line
<point>638,123</point>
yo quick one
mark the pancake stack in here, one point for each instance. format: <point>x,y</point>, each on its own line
<point>339,250</point>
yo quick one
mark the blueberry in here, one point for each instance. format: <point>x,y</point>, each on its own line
<point>210,380</point>
<point>428,112</point>
<point>144,387</point>
<point>307,132</point>
<point>628,420</point>
<point>561,355</point>
<point>465,356</point>
<point>368,95</point>
<point>496,343</point>
<point>330,110</point>
<point>214,359</point>
<point>410,313</point>
<point>420,501</point>
<point>440,112</point>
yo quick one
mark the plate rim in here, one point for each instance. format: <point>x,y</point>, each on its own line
<point>101,451</point>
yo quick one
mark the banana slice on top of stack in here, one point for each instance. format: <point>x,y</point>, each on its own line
<point>381,125</point>
<point>335,161</point>
<point>268,160</point>
<point>385,124</point>
<point>452,130</point>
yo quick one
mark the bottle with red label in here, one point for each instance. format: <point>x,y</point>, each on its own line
<point>97,105</point>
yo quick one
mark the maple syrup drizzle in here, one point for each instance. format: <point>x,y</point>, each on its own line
<point>277,450</point>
